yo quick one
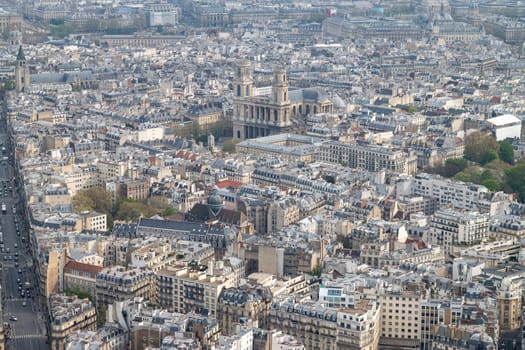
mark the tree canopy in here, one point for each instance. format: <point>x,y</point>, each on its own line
<point>506,152</point>
<point>478,147</point>
<point>515,178</point>
<point>229,145</point>
<point>95,199</point>
<point>129,210</point>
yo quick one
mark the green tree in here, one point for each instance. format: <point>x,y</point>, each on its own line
<point>515,179</point>
<point>131,211</point>
<point>159,202</point>
<point>409,109</point>
<point>506,152</point>
<point>486,175</point>
<point>317,271</point>
<point>82,202</point>
<point>9,84</point>
<point>79,293</point>
<point>330,179</point>
<point>101,315</point>
<point>477,144</point>
<point>229,145</point>
<point>61,30</point>
<point>454,166</point>
<point>169,212</point>
<point>488,156</point>
<point>56,21</point>
<point>463,176</point>
<point>95,199</point>
<point>201,138</point>
<point>491,184</point>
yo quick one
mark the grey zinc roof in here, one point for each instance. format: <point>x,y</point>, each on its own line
<point>310,95</point>
<point>47,78</point>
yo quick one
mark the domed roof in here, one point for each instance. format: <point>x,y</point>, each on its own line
<point>214,199</point>
<point>214,203</point>
<point>482,338</point>
<point>338,102</point>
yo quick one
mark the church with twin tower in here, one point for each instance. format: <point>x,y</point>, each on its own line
<point>270,114</point>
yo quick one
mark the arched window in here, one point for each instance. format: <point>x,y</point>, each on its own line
<point>238,90</point>
<point>275,115</point>
<point>247,90</point>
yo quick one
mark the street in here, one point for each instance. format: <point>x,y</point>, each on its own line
<point>24,321</point>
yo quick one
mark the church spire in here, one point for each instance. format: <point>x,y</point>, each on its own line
<point>20,56</point>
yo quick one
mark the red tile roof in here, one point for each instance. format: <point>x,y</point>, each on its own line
<point>228,184</point>
<point>81,267</point>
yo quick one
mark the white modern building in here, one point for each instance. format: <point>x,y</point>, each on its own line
<point>454,230</point>
<point>505,127</point>
<point>162,15</point>
<point>458,194</point>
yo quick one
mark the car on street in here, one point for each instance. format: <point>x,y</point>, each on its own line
<point>24,303</point>
<point>13,318</point>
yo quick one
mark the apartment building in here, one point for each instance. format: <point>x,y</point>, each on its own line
<point>94,221</point>
<point>82,177</point>
<point>117,284</point>
<point>9,21</point>
<point>379,255</point>
<point>237,306</point>
<point>140,40</point>
<point>108,337</point>
<point>109,169</point>
<point>453,230</point>
<point>154,256</point>
<point>313,323</point>
<point>197,288</point>
<point>68,314</point>
<point>289,147</point>
<point>205,117</point>
<point>433,312</point>
<point>81,276</point>
<point>459,195</point>
<point>359,327</point>
<point>281,214</point>
<point>509,304</point>
<point>400,319</point>
<point>368,157</point>
<point>354,328</point>
<point>133,189</point>
<point>338,294</point>
<point>213,234</point>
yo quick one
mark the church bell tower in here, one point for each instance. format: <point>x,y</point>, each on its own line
<point>21,71</point>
